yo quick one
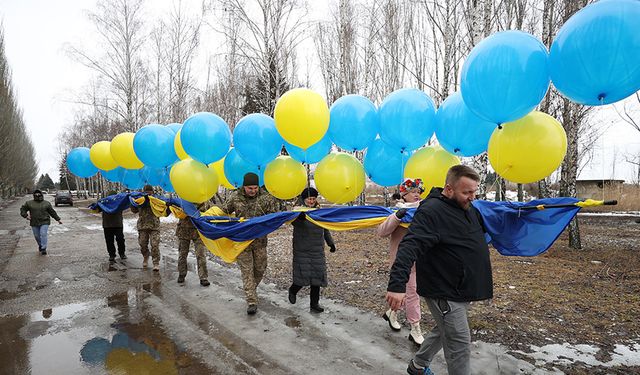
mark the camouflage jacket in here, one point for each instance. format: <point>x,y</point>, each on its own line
<point>185,229</point>
<point>243,206</point>
<point>146,219</point>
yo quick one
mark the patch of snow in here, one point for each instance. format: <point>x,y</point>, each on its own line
<point>511,196</point>
<point>614,214</point>
<point>129,225</point>
<point>567,354</point>
<point>169,219</point>
<point>59,229</point>
<point>353,282</point>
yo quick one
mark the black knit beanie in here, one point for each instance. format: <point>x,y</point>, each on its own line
<point>251,179</point>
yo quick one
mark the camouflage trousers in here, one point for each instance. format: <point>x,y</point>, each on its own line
<point>253,263</point>
<point>201,258</point>
<point>144,237</point>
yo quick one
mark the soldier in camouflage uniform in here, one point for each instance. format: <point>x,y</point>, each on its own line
<point>251,201</point>
<point>148,231</point>
<point>187,232</point>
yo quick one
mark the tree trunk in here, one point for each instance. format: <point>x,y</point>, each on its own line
<point>520,193</point>
<point>479,164</point>
<point>569,171</point>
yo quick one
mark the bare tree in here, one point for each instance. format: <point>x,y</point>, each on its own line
<point>183,38</point>
<point>121,39</point>
<point>270,32</point>
<point>227,77</point>
<point>337,50</point>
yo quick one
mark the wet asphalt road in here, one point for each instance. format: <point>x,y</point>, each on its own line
<point>71,312</point>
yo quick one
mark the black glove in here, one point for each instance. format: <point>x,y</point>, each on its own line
<point>401,212</point>
<point>332,248</point>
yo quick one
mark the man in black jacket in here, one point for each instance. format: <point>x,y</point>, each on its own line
<point>446,241</point>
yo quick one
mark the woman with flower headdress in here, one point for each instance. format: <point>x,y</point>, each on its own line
<point>309,264</point>
<point>410,191</point>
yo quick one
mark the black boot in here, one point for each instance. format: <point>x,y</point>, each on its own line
<point>293,290</point>
<point>315,299</point>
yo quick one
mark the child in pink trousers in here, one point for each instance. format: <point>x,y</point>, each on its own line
<point>410,191</point>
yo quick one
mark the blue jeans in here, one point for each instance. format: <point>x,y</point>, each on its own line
<point>40,233</point>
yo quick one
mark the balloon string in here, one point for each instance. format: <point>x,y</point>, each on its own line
<point>601,97</point>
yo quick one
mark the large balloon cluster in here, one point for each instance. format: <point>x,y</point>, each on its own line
<point>594,60</point>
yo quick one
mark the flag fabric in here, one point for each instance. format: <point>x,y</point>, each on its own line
<point>512,230</point>
<point>519,232</point>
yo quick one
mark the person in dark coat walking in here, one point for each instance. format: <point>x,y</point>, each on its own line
<point>39,213</point>
<point>309,264</point>
<point>447,244</point>
<point>113,230</point>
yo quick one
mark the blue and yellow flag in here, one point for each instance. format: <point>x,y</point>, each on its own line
<point>513,227</point>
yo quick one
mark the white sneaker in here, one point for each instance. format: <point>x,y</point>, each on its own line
<point>416,334</point>
<point>391,317</point>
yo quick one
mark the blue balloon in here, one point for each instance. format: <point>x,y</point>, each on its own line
<point>95,350</point>
<point>505,76</point>
<point>132,179</point>
<point>235,167</point>
<point>311,155</point>
<point>353,122</point>
<point>256,139</point>
<point>205,137</point>
<point>384,164</point>
<point>153,176</point>
<point>80,164</point>
<point>153,145</point>
<point>459,130</point>
<point>166,184</point>
<point>114,175</point>
<point>407,119</point>
<point>595,58</point>
<point>175,127</point>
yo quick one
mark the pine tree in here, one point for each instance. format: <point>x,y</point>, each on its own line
<point>67,182</point>
<point>261,92</point>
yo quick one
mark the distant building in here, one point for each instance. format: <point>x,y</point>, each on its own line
<point>597,189</point>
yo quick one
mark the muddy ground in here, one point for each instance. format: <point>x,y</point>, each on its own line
<point>589,296</point>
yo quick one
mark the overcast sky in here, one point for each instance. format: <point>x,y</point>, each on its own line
<point>45,79</point>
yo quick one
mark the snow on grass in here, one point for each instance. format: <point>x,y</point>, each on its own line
<point>568,354</point>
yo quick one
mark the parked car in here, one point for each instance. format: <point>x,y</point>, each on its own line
<point>63,197</point>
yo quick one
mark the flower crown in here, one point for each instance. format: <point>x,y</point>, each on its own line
<point>411,184</point>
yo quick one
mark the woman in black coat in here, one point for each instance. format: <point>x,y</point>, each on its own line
<point>309,264</point>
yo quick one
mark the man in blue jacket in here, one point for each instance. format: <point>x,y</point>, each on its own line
<point>446,241</point>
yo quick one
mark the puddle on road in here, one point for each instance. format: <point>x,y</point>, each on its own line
<point>292,322</point>
<point>115,335</point>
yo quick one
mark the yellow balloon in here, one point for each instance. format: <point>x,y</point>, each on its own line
<point>193,181</point>
<point>339,177</point>
<point>528,149</point>
<point>177,146</point>
<point>100,155</point>
<point>285,178</point>
<point>218,166</point>
<point>302,117</point>
<point>431,164</point>
<point>122,151</point>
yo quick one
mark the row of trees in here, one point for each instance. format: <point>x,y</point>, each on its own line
<point>146,72</point>
<point>18,169</point>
